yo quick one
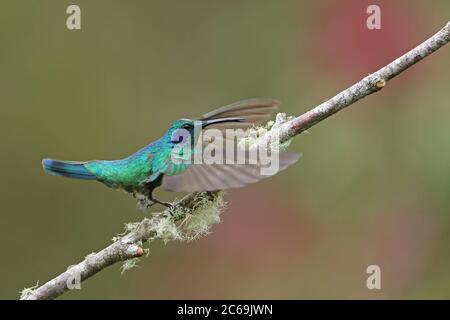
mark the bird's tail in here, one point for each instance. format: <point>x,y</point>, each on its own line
<point>70,169</point>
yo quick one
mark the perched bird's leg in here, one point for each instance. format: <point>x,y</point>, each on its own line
<point>147,201</point>
<point>150,198</point>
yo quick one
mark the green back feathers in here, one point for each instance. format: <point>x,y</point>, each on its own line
<point>127,174</point>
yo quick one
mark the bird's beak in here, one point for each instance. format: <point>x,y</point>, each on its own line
<point>206,123</point>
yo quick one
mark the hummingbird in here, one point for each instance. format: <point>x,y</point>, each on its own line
<point>154,166</point>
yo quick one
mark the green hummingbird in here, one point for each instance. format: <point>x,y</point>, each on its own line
<point>154,165</point>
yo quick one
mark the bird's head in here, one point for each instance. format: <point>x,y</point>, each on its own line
<point>181,131</point>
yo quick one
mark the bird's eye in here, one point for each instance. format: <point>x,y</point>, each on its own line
<point>177,139</point>
<point>179,136</point>
<point>186,126</point>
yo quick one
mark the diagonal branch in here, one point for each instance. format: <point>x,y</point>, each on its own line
<point>130,245</point>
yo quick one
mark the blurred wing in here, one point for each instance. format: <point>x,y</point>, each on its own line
<point>252,111</point>
<point>212,177</point>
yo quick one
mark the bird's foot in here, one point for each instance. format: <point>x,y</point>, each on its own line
<point>164,203</point>
<point>153,201</point>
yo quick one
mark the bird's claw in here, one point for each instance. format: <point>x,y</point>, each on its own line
<point>153,201</point>
<point>166,204</point>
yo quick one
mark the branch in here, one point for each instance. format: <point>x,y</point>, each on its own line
<point>127,247</point>
<point>130,245</point>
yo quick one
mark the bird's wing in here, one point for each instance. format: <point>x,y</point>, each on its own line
<point>252,111</point>
<point>212,177</point>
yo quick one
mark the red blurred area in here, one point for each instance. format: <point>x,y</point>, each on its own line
<point>342,42</point>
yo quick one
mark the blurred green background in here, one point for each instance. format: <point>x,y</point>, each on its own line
<point>373,186</point>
